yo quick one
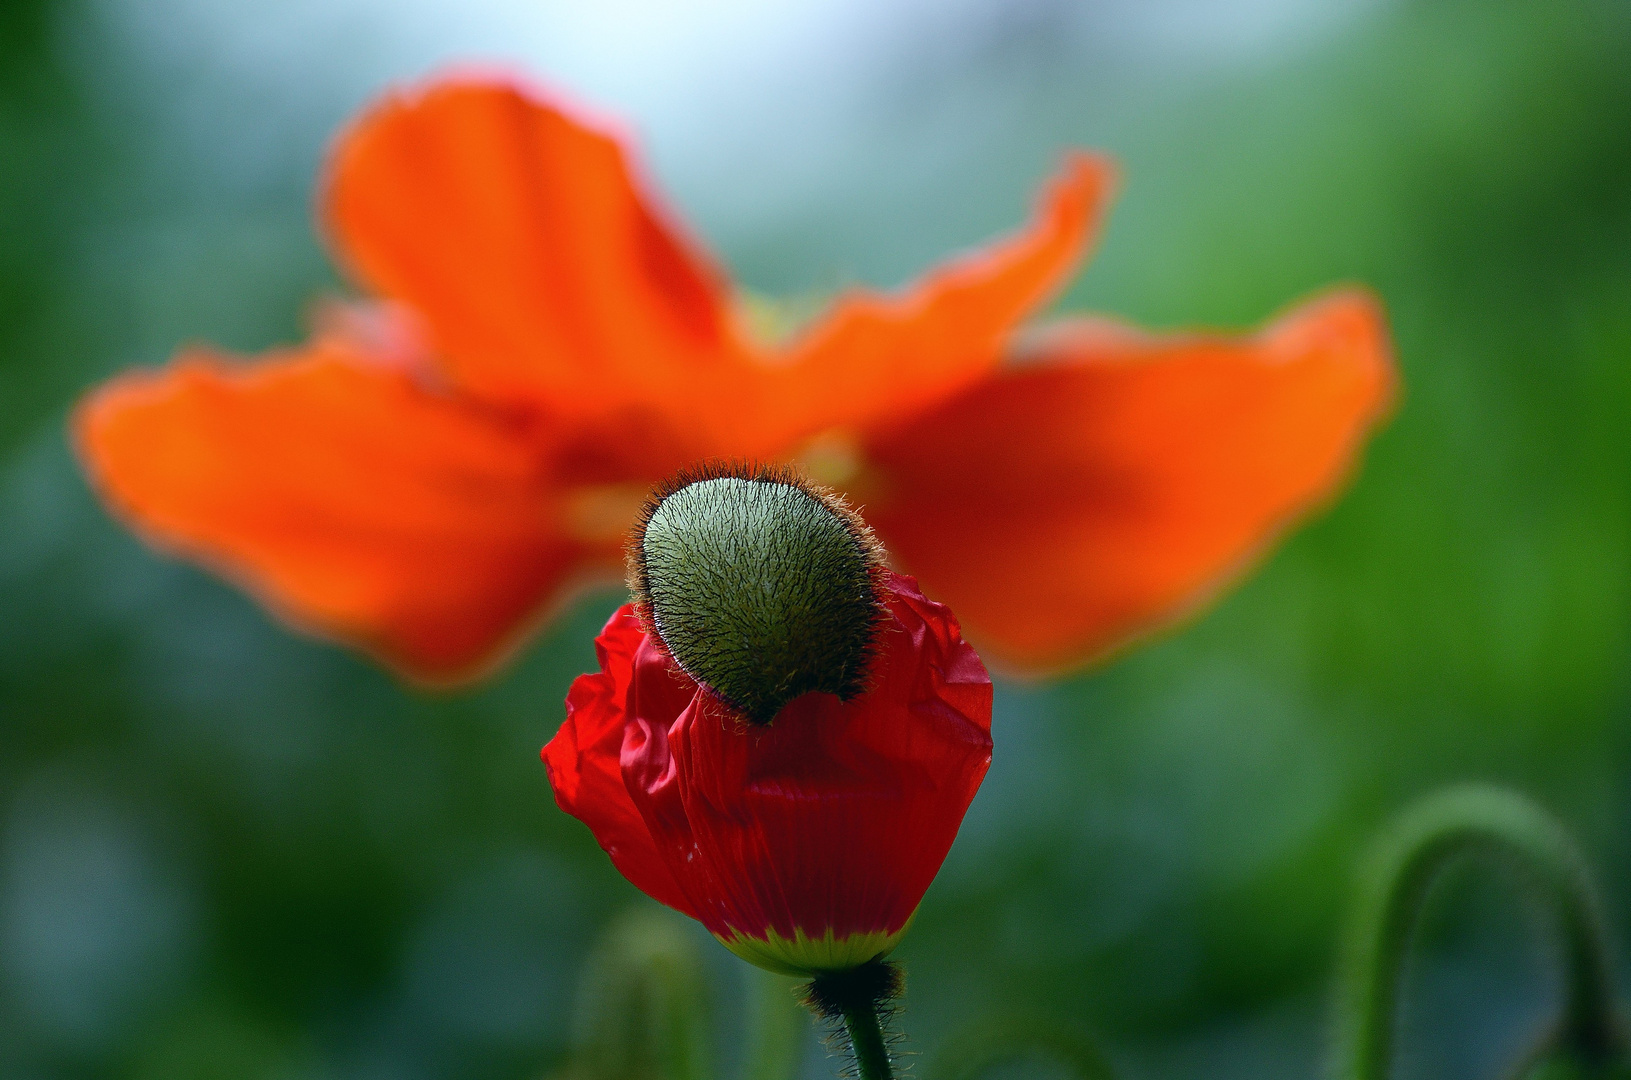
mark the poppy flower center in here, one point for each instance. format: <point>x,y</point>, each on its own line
<point>761,586</point>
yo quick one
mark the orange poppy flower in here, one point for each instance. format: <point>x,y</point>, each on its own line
<point>438,469</point>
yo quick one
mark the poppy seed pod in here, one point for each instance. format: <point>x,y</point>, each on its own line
<point>760,585</point>
<point>804,845</point>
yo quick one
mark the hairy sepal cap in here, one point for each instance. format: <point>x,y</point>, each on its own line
<point>760,585</point>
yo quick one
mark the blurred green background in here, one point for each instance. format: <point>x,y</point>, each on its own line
<point>226,851</point>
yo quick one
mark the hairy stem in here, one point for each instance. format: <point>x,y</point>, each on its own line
<point>866,1041</point>
<point>857,996</point>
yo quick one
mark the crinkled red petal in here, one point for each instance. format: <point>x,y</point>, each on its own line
<point>836,817</point>
<point>584,765</point>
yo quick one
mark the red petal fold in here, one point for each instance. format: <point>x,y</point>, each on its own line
<point>344,495</point>
<point>584,763</point>
<point>876,357</point>
<point>1112,481</point>
<point>545,273</point>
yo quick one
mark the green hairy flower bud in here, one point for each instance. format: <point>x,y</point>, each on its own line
<point>760,585</point>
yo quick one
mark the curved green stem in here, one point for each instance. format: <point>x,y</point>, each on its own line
<point>1422,842</point>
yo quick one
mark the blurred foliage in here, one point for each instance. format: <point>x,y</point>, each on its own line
<point>40,126</point>
<point>1001,1042</point>
<point>643,1009</point>
<point>228,851</point>
<point>642,1006</point>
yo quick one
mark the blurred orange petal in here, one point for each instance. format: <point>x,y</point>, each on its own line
<point>460,448</point>
<point>1112,481</point>
<point>545,274</point>
<point>875,358</point>
<point>348,498</point>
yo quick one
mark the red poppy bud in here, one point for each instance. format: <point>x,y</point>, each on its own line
<point>804,846</point>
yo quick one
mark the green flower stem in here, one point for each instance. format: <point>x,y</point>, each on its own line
<point>1423,841</point>
<point>857,996</point>
<point>866,1040</point>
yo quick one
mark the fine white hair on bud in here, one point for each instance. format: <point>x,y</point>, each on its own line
<point>760,585</point>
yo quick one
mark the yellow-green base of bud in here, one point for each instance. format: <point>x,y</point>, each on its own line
<point>805,956</point>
